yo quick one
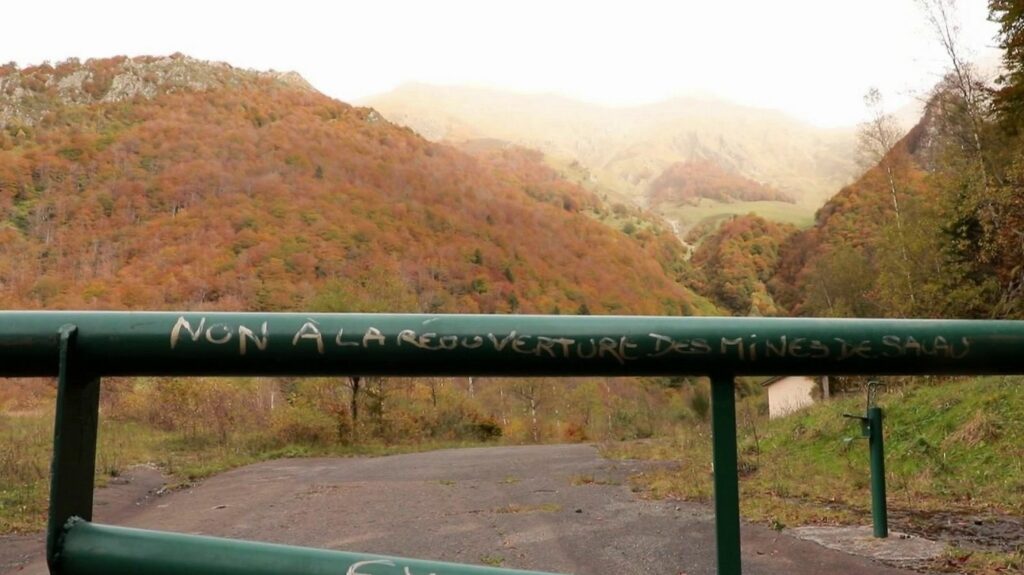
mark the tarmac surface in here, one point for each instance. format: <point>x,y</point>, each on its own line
<point>560,508</point>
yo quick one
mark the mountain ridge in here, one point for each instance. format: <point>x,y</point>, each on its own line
<point>253,193</point>
<point>632,145</point>
<point>26,93</point>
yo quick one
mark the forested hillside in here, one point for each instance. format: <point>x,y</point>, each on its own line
<point>738,259</point>
<point>173,183</point>
<point>687,182</point>
<point>935,228</point>
<point>825,270</point>
<point>170,183</point>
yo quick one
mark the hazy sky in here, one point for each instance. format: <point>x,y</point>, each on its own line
<point>813,59</point>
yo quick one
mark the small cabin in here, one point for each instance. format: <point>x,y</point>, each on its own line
<point>788,393</point>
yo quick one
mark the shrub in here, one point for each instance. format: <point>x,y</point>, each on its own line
<point>302,423</point>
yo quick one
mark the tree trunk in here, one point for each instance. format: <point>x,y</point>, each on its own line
<point>533,414</point>
<point>354,385</point>
<point>903,241</point>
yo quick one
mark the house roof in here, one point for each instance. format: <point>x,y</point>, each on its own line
<point>776,378</point>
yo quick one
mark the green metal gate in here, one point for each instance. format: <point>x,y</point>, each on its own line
<point>80,348</point>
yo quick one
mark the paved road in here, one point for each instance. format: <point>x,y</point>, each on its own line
<point>525,507</point>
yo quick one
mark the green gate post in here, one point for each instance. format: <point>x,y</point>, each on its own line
<point>727,489</point>
<point>879,513</point>
<point>74,443</point>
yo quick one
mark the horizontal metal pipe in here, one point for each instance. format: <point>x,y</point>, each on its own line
<point>92,549</point>
<point>197,343</point>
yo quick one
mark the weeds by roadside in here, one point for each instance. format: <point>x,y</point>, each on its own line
<point>26,442</point>
<point>955,447</point>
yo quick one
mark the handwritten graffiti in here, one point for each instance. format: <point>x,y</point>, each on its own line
<point>313,337</point>
<point>353,569</point>
<point>220,334</point>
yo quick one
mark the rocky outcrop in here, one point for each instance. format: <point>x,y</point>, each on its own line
<point>26,93</point>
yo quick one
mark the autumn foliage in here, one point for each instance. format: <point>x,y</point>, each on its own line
<point>831,269</point>
<point>737,261</point>
<point>259,194</point>
<point>688,182</point>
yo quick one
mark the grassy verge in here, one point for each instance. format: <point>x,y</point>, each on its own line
<point>952,447</point>
<point>26,443</point>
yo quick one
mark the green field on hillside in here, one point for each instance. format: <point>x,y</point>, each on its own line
<point>706,211</point>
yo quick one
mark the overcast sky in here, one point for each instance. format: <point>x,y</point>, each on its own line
<point>813,59</point>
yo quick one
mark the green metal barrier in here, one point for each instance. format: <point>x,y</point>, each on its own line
<point>91,549</point>
<point>390,344</point>
<point>81,347</point>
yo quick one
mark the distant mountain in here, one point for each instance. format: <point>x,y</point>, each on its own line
<point>624,150</point>
<point>173,183</point>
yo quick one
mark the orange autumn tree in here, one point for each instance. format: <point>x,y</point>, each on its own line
<point>209,187</point>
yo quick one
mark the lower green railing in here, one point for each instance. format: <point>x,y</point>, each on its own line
<point>91,549</point>
<point>82,347</point>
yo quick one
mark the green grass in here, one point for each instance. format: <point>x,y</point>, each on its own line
<point>492,560</point>
<point>974,562</point>
<point>952,446</point>
<point>958,444</point>
<point>25,444</point>
<point>706,210</point>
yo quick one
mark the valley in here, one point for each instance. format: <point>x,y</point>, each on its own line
<point>621,153</point>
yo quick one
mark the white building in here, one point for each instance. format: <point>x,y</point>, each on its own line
<point>788,393</point>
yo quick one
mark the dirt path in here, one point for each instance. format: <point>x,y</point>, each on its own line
<point>122,498</point>
<point>558,508</point>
